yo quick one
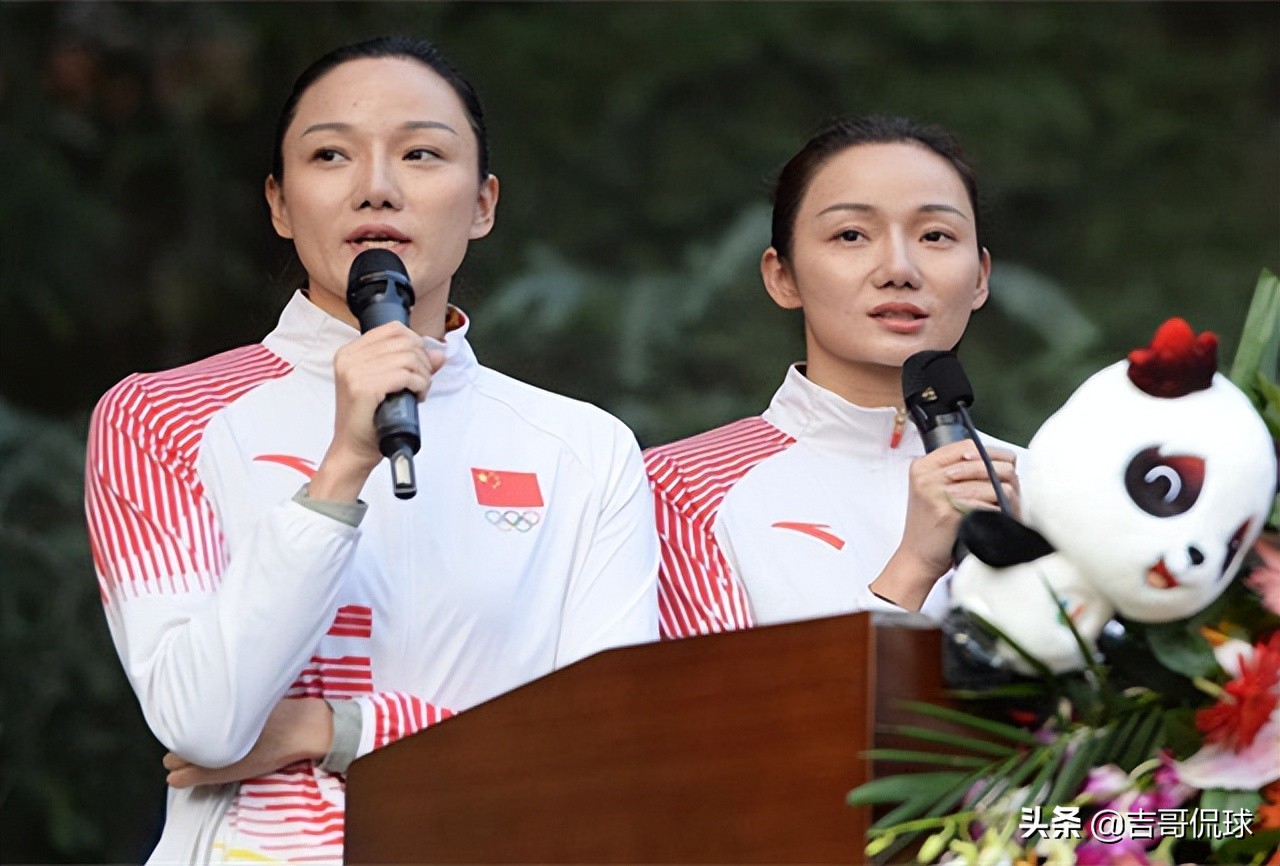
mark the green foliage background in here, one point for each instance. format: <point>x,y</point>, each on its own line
<point>1130,165</point>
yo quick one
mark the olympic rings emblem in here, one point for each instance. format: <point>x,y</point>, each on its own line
<point>520,521</point>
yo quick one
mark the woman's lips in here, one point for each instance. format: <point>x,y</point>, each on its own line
<point>899,318</point>
<point>377,236</point>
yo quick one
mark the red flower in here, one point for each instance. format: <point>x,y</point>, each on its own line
<point>1251,699</point>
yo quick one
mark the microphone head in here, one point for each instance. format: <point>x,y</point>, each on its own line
<point>373,274</point>
<point>935,378</point>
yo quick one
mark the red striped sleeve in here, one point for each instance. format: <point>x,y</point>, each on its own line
<point>397,714</point>
<point>697,590</point>
<point>151,529</point>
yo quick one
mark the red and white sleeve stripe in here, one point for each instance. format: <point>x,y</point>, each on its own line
<point>151,529</point>
<point>389,716</point>
<point>698,592</point>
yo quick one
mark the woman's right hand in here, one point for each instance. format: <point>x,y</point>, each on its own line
<point>945,485</point>
<point>386,360</point>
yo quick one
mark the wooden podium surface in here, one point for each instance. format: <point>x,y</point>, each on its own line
<point>733,748</point>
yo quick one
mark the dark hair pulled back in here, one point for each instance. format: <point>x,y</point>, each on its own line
<point>405,47</point>
<point>839,135</point>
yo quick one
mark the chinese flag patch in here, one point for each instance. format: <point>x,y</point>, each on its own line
<point>502,489</point>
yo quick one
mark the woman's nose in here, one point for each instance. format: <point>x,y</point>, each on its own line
<point>897,266</point>
<point>379,186</point>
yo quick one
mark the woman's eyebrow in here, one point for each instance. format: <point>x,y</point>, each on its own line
<point>946,208</point>
<point>847,205</point>
<point>339,126</point>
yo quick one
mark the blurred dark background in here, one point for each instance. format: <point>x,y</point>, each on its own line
<point>1129,157</point>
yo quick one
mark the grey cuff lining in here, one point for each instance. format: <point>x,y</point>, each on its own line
<point>348,723</point>
<point>350,513</point>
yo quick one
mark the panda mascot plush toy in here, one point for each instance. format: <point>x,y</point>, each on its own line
<point>1140,497</point>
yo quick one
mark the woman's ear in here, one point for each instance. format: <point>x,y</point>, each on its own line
<point>779,282</point>
<point>983,290</point>
<point>486,208</point>
<point>279,213</point>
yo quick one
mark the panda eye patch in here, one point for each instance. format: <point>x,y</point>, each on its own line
<point>1164,486</point>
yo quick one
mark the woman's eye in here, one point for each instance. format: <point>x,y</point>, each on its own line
<point>326,154</point>
<point>937,236</point>
<point>421,153</point>
<point>1164,486</point>
<point>850,235</point>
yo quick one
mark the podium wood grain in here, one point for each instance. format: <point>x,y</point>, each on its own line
<point>734,748</point>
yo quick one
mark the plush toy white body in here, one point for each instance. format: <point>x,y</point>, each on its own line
<point>1149,484</point>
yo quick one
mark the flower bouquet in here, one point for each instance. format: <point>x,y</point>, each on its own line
<point>1103,718</point>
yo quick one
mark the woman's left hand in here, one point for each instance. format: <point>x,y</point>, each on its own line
<point>298,729</point>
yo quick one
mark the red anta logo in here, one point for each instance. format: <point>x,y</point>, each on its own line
<point>813,530</point>
<point>302,464</point>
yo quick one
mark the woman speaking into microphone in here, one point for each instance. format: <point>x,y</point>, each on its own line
<point>827,503</point>
<point>276,608</point>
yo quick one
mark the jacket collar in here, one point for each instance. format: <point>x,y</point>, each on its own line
<point>826,421</point>
<point>308,336</point>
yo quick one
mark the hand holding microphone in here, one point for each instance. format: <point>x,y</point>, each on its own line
<point>952,478</point>
<point>938,395</point>
<point>955,474</point>
<point>378,293</point>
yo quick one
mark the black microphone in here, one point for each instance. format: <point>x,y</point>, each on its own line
<point>379,291</point>
<point>934,387</point>
<point>938,395</point>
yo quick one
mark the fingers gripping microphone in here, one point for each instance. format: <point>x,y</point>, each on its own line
<point>934,387</point>
<point>938,395</point>
<point>379,291</point>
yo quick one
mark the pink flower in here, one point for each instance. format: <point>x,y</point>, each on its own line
<point>1265,579</point>
<point>1218,766</point>
<point>1105,783</point>
<point>1168,789</point>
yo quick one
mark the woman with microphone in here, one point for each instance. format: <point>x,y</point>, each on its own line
<point>277,609</point>
<point>827,502</point>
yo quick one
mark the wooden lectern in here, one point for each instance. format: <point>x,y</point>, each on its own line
<point>731,748</point>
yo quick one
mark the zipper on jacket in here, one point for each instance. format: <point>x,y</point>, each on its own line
<point>899,422</point>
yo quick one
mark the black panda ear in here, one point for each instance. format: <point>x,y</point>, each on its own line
<point>999,540</point>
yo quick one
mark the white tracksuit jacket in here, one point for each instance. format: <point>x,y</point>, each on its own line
<point>529,545</point>
<point>784,516</point>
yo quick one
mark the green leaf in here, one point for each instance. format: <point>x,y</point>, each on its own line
<point>1074,771</point>
<point>1142,745</point>
<point>1179,646</point>
<point>968,720</point>
<point>1011,779</point>
<point>1268,395</point>
<point>1012,690</point>
<point>907,813</point>
<point>911,756</point>
<point>1041,783</point>
<point>1181,735</point>
<point>892,789</point>
<point>1228,800</point>
<point>960,742</point>
<point>1260,339</point>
